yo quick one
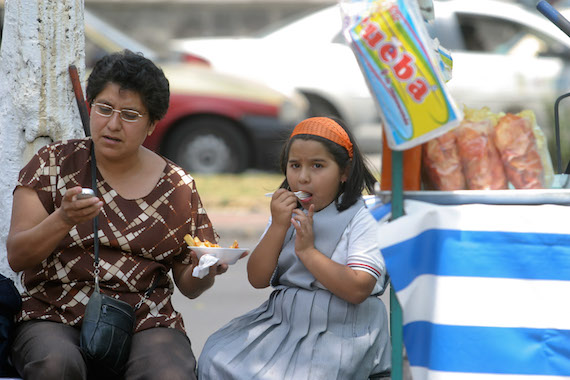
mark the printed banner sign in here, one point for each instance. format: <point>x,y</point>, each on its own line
<point>484,289</point>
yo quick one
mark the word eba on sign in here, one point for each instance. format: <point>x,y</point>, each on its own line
<point>410,92</point>
<point>402,63</point>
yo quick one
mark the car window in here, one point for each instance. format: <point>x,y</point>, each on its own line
<point>442,29</point>
<point>339,39</point>
<point>486,34</point>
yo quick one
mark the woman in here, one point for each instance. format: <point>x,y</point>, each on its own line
<point>145,204</point>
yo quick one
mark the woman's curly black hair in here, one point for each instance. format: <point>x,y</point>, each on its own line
<point>133,72</point>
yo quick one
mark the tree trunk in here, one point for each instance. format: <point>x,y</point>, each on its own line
<point>37,106</point>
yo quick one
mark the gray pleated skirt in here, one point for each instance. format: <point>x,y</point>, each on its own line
<point>300,334</point>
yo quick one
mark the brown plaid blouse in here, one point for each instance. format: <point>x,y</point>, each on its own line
<point>139,240</point>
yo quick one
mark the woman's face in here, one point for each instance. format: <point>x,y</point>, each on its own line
<point>114,137</point>
<point>312,168</point>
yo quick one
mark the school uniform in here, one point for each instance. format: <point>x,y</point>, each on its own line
<point>303,331</point>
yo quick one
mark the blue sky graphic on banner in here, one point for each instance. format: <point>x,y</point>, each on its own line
<point>485,290</point>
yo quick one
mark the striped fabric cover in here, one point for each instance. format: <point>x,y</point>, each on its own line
<point>484,289</point>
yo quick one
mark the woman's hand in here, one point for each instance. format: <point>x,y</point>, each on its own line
<point>34,233</point>
<point>215,270</point>
<point>192,286</point>
<point>74,211</point>
<point>283,202</point>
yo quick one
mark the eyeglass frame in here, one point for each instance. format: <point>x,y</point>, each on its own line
<point>120,112</point>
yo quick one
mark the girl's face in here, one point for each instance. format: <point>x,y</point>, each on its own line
<point>312,168</point>
<point>114,137</point>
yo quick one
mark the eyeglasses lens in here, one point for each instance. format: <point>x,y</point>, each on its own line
<point>104,110</point>
<point>107,111</point>
<point>129,115</point>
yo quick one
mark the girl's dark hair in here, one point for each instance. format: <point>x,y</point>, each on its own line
<point>132,72</point>
<point>359,177</point>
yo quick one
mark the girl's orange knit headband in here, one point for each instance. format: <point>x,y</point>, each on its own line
<point>326,128</point>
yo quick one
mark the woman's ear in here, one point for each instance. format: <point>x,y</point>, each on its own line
<point>151,128</point>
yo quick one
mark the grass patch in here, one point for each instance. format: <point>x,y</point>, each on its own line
<point>237,191</point>
<point>244,191</point>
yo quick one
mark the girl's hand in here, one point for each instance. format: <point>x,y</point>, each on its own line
<point>305,240</point>
<point>74,211</point>
<point>283,202</point>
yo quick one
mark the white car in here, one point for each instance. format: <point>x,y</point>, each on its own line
<point>505,56</point>
<point>309,54</point>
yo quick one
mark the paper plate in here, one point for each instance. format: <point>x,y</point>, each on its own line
<point>226,255</point>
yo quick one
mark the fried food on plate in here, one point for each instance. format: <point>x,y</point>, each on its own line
<point>196,242</point>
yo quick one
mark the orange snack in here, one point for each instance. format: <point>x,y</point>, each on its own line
<point>189,240</point>
<point>196,242</point>
<point>442,163</point>
<point>481,162</point>
<point>517,146</point>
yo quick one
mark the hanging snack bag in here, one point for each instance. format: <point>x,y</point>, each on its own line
<point>517,145</point>
<point>401,68</point>
<point>480,159</point>
<point>542,146</point>
<point>442,164</point>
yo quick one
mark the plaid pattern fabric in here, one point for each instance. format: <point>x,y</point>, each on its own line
<point>139,240</point>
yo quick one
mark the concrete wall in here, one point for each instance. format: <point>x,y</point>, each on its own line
<point>37,104</point>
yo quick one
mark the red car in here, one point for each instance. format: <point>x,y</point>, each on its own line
<point>216,122</point>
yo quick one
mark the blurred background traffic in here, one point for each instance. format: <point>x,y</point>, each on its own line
<point>244,72</point>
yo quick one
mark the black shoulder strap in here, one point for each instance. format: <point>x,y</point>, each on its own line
<point>96,219</point>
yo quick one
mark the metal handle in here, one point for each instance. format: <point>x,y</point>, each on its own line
<point>557,131</point>
<point>553,15</point>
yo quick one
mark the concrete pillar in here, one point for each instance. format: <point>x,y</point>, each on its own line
<point>37,106</point>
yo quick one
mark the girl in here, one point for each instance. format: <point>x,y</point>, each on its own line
<point>319,252</point>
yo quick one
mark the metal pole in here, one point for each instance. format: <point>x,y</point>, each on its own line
<point>395,308</point>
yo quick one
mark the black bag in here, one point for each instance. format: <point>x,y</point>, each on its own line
<point>10,305</point>
<point>106,333</point>
<point>108,323</point>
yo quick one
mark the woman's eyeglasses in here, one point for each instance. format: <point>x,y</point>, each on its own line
<point>107,111</point>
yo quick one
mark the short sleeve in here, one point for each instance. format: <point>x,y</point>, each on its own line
<point>199,223</point>
<point>37,175</point>
<point>363,249</point>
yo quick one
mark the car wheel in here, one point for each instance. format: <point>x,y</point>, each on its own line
<point>208,145</point>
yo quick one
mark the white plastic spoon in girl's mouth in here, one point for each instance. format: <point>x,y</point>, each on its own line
<point>299,194</point>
